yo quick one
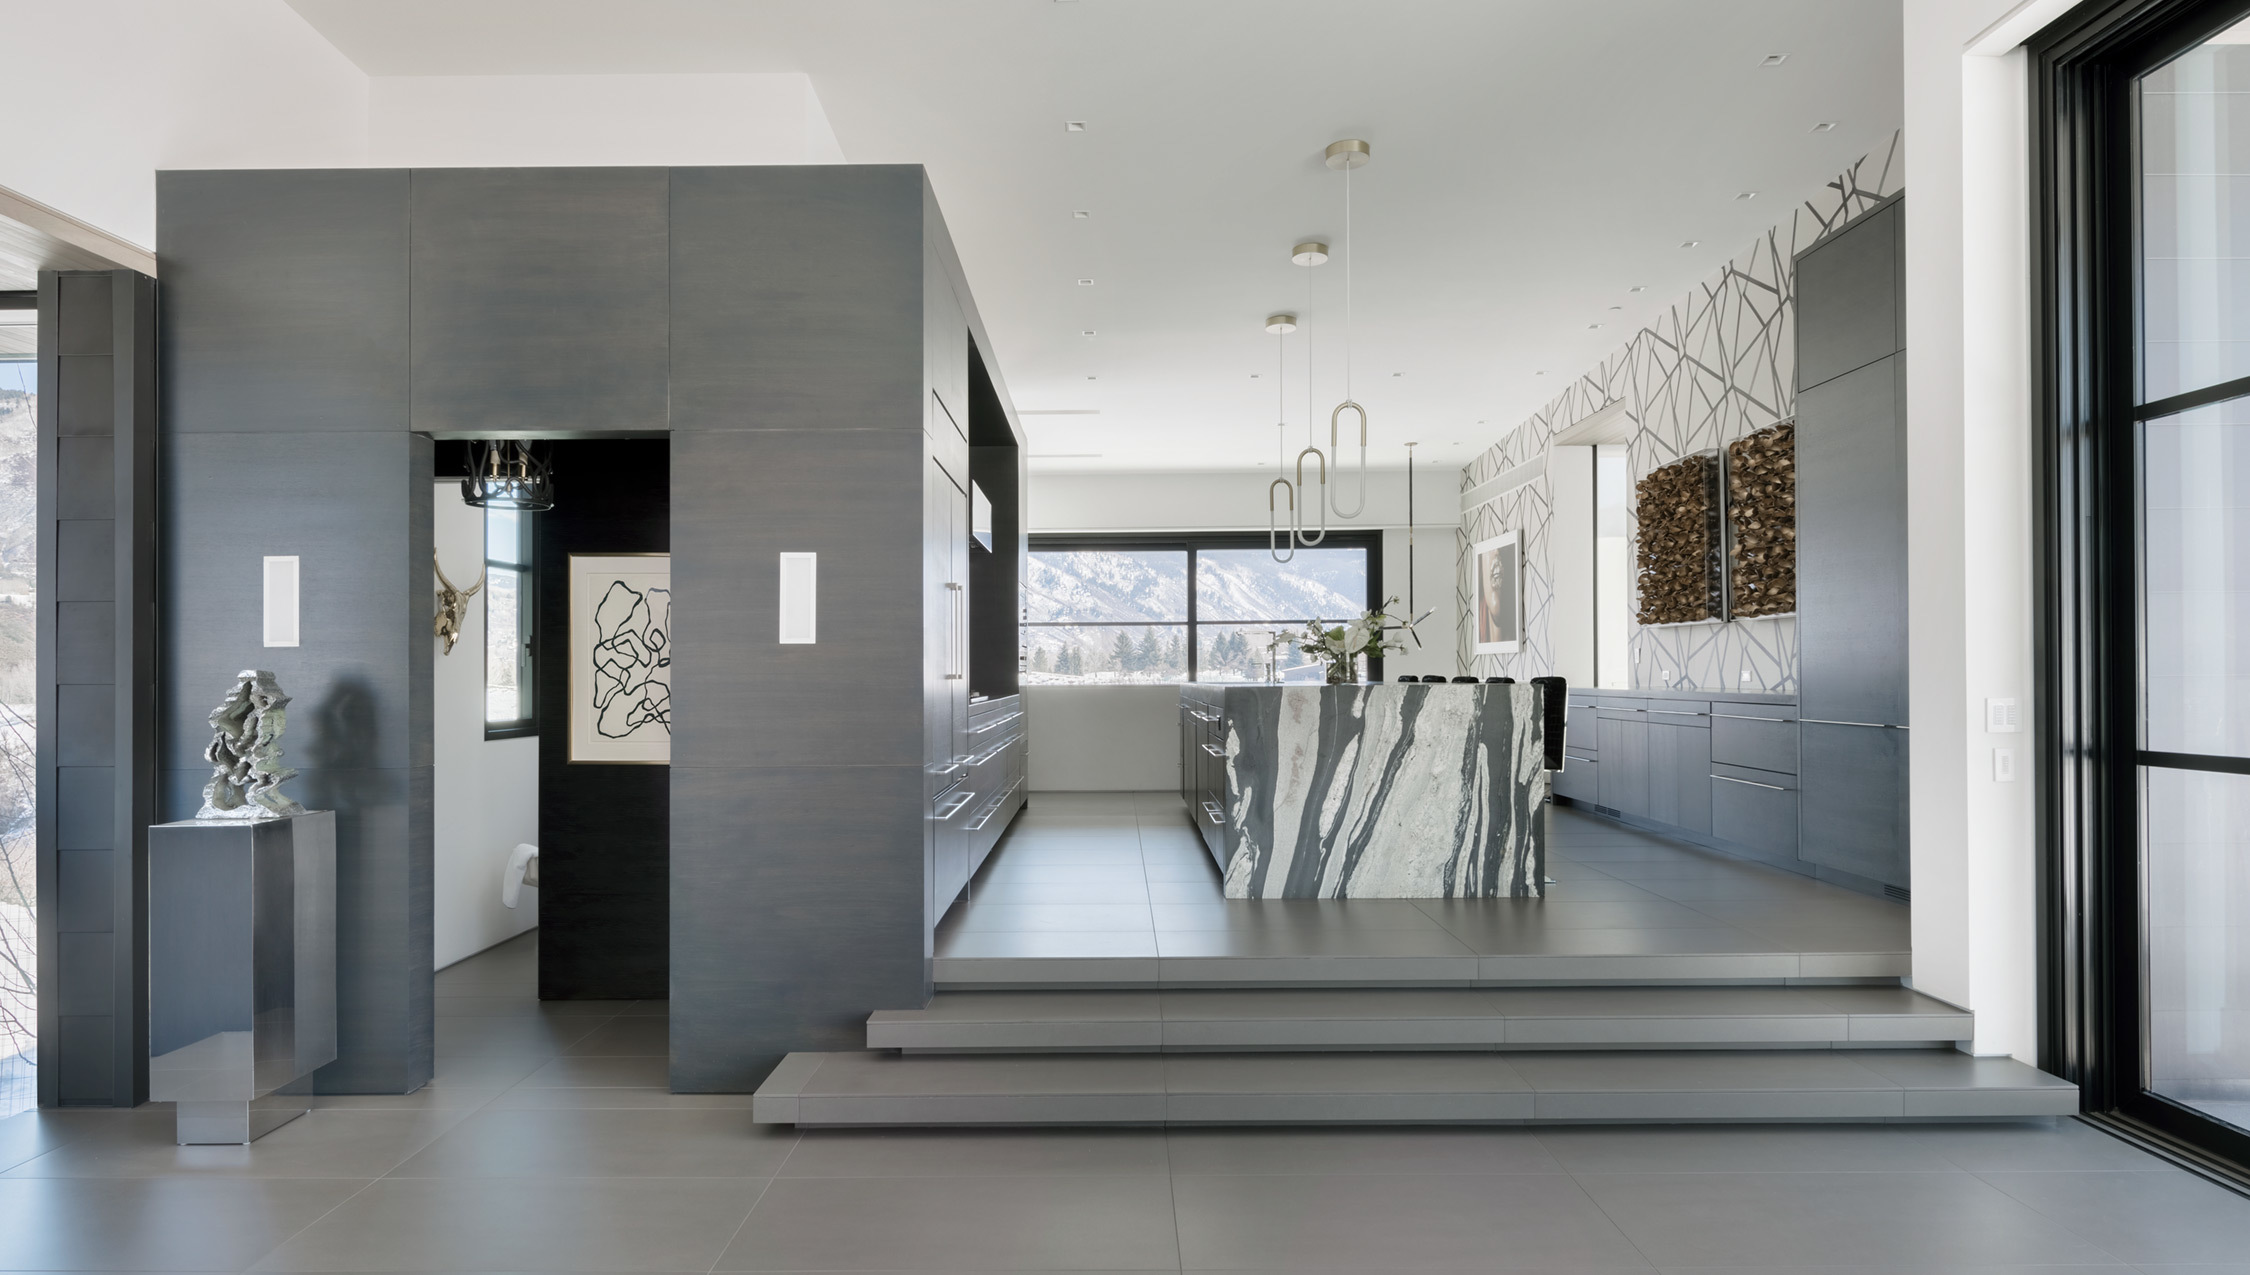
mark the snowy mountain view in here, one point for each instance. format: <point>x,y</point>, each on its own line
<point>1118,615</point>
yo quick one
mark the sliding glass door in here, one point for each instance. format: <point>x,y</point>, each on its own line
<point>2192,150</point>
<point>2142,168</point>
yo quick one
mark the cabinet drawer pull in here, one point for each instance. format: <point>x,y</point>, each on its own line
<point>1748,717</point>
<point>1215,811</point>
<point>953,806</point>
<point>994,751</point>
<point>1822,721</point>
<point>1214,750</point>
<point>1751,783</point>
<point>1203,717</point>
<point>996,723</point>
<point>992,808</point>
<point>1676,712</point>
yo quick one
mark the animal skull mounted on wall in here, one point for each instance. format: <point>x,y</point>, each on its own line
<point>452,605</point>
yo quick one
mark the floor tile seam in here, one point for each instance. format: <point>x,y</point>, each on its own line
<point>1596,1204</point>
<point>736,1235</point>
<point>327,1213</point>
<point>2062,1222</point>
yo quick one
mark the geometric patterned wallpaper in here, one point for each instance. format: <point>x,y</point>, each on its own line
<point>1719,364</point>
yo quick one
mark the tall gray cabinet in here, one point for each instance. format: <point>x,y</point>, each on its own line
<point>1851,548</point>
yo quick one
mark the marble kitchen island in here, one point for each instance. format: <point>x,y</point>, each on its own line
<point>1376,791</point>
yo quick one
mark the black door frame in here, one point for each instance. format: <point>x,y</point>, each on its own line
<point>2087,454</point>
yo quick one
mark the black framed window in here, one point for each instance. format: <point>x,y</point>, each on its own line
<point>2141,152</point>
<point>1173,608</point>
<point>511,700</point>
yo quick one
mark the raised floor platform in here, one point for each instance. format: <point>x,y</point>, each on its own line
<point>1094,975</point>
<point>1115,890</point>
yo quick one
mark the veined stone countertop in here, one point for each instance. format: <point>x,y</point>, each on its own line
<point>1384,790</point>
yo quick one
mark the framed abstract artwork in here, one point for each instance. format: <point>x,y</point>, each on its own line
<point>1496,584</point>
<point>621,658</point>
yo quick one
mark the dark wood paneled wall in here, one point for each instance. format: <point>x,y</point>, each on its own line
<point>96,736</point>
<point>798,842</point>
<point>287,431</point>
<point>604,830</point>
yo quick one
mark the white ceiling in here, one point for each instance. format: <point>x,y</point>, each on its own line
<point>1535,160</point>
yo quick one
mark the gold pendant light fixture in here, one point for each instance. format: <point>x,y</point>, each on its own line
<point>1301,494</point>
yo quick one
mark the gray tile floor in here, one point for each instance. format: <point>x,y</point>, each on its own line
<point>1123,875</point>
<point>548,1143</point>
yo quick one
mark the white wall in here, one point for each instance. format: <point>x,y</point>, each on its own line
<point>486,794</point>
<point>1103,738</point>
<point>467,120</point>
<point>1970,540</point>
<point>102,93</point>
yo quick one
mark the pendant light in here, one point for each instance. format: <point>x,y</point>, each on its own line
<point>1281,325</point>
<point>507,474</point>
<point>1344,156</point>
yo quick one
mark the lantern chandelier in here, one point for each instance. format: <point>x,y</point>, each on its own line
<point>1342,156</point>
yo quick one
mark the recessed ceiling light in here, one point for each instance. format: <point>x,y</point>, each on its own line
<point>1085,283</point>
<point>1538,373</point>
<point>1692,243</point>
<point>1825,126</point>
<point>1087,332</point>
<point>1398,374</point>
<point>1773,59</point>
<point>1746,195</point>
<point>1253,376</point>
<point>1081,214</point>
<point>1093,378</point>
<point>1074,126</point>
<point>1638,287</point>
<point>1617,307</point>
<point>1593,327</point>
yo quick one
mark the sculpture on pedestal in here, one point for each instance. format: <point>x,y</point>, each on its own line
<point>245,753</point>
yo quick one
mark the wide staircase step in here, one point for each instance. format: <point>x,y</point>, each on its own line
<point>973,962</point>
<point>889,1089</point>
<point>1396,1019</point>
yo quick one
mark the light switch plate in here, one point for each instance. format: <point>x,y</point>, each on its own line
<point>2003,765</point>
<point>2002,716</point>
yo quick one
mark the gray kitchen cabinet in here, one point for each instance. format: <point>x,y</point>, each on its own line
<point>1760,743</point>
<point>1579,779</point>
<point>945,537</point>
<point>1851,297</point>
<point>1854,813</point>
<point>1623,774</point>
<point>1679,774</point>
<point>1755,809</point>
<point>1851,546</point>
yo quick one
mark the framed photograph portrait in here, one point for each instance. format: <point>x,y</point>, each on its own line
<point>621,658</point>
<point>1496,584</point>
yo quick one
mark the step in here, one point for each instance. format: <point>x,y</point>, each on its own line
<point>868,1088</point>
<point>1396,1019</point>
<point>1393,959</point>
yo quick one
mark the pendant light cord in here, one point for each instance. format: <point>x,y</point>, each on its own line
<point>1347,281</point>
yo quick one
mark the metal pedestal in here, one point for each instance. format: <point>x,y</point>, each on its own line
<point>242,971</point>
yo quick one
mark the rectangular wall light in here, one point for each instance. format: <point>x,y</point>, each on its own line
<point>281,601</point>
<point>800,598</point>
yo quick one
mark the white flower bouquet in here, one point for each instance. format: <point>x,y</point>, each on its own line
<point>1341,646</point>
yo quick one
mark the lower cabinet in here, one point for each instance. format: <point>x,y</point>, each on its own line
<point>1756,809</point>
<point>1679,775</point>
<point>1622,778</point>
<point>1578,780</point>
<point>1854,784</point>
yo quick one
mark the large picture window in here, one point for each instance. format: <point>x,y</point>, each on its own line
<point>1210,608</point>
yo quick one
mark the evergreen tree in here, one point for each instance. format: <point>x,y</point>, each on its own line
<point>1040,663</point>
<point>1146,656</point>
<point>1173,656</point>
<point>1121,655</point>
